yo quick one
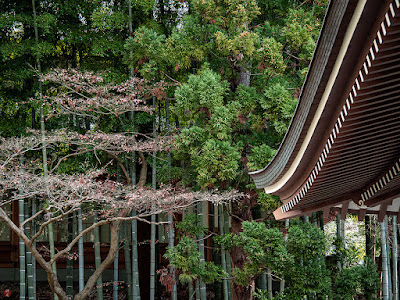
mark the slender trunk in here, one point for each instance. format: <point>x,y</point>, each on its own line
<point>385,277</point>
<point>81,259</point>
<point>227,254</point>
<point>171,232</point>
<point>269,277</point>
<point>368,244</point>
<point>115,280</point>
<point>282,284</point>
<point>29,268</point>
<point>33,226</point>
<point>223,252</point>
<point>153,218</point>
<point>191,291</point>
<point>388,259</point>
<point>263,281</point>
<point>135,263</point>
<point>97,256</point>
<point>128,265</point>
<point>339,239</point>
<point>203,291</point>
<point>197,287</point>
<point>395,258</point>
<point>70,260</point>
<point>171,237</point>
<point>42,129</point>
<point>22,260</point>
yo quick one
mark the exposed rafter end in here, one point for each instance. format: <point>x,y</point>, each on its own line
<point>361,214</point>
<point>382,211</point>
<point>345,208</point>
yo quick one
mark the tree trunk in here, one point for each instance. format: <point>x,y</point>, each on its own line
<point>238,257</point>
<point>203,291</point>
<point>388,258</point>
<point>228,257</point>
<point>153,218</point>
<point>395,257</point>
<point>29,258</point>
<point>135,264</point>
<point>81,259</point>
<point>385,277</point>
<point>339,238</point>
<point>70,261</point>
<point>225,282</point>
<point>42,129</point>
<point>115,280</point>
<point>282,283</point>
<point>97,257</point>
<point>128,264</point>
<point>22,261</point>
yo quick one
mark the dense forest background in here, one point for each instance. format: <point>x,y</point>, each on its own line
<point>222,78</point>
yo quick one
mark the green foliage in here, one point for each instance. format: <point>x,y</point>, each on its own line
<point>185,256</point>
<point>190,227</point>
<point>264,248</point>
<point>279,106</point>
<point>204,90</point>
<point>260,157</point>
<point>268,202</point>
<point>217,160</point>
<point>308,274</point>
<point>358,280</point>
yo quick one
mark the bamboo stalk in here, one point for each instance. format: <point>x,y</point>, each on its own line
<point>263,281</point>
<point>80,254</point>
<point>191,291</point>
<point>171,231</point>
<point>29,268</point>
<point>135,264</point>
<point>153,219</point>
<point>197,288</point>
<point>282,283</point>
<point>388,259</point>
<point>395,258</point>
<point>70,261</point>
<point>227,254</point>
<point>269,279</point>
<point>338,237</point>
<point>128,265</point>
<point>42,129</point>
<point>223,252</point>
<point>33,226</point>
<point>115,278</point>
<point>22,257</point>
<point>385,277</point>
<point>203,290</point>
<point>97,256</point>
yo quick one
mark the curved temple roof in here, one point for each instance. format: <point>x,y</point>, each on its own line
<point>342,149</point>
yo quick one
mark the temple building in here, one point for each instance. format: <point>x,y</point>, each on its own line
<point>342,149</point>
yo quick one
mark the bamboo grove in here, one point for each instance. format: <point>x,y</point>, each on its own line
<point>127,132</point>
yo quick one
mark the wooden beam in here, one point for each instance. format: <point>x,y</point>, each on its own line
<point>279,215</point>
<point>325,213</point>
<point>382,211</point>
<point>354,196</point>
<point>345,208</point>
<point>361,214</point>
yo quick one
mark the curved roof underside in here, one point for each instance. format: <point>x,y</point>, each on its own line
<point>342,149</point>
